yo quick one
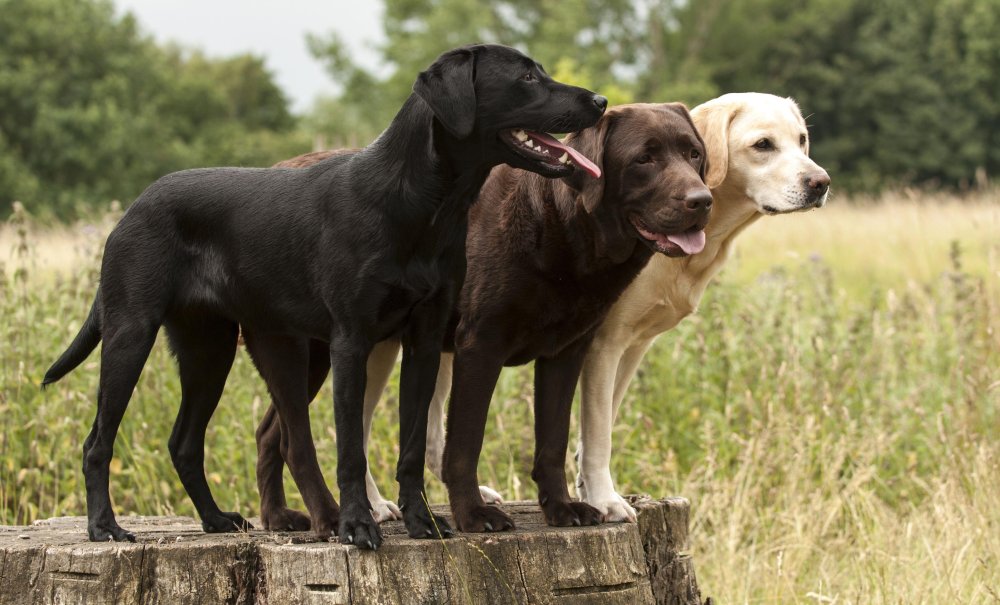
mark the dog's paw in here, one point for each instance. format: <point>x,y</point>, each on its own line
<point>385,510</point>
<point>421,523</point>
<point>483,518</point>
<point>284,519</point>
<point>360,530</point>
<point>489,495</point>
<point>570,514</point>
<point>108,532</point>
<point>614,509</point>
<point>221,523</point>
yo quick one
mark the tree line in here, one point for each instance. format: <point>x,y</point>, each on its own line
<point>898,92</point>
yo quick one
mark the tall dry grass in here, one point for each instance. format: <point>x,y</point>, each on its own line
<point>832,411</point>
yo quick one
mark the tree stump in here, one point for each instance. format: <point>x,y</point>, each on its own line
<point>174,562</point>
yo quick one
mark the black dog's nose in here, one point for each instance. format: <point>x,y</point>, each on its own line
<point>698,199</point>
<point>601,102</point>
<point>817,183</point>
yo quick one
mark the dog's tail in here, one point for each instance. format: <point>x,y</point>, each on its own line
<point>84,343</point>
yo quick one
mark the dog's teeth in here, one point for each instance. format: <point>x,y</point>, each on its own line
<point>530,143</point>
<point>564,158</point>
<point>520,135</point>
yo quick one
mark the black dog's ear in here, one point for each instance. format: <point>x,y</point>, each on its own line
<point>448,87</point>
<point>590,142</point>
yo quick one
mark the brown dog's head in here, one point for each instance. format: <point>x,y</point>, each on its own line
<point>654,166</point>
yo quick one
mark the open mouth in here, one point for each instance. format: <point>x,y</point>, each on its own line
<point>546,149</point>
<point>686,243</point>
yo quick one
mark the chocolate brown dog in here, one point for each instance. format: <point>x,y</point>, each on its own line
<point>546,260</point>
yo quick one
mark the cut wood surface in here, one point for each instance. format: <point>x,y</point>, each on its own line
<point>174,562</point>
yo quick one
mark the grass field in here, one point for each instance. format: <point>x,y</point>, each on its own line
<point>832,411</point>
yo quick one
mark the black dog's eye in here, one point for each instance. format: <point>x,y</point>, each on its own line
<point>802,140</point>
<point>763,145</point>
<point>644,159</point>
<point>528,77</point>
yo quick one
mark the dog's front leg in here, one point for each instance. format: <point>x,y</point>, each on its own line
<point>555,381</point>
<point>477,369</point>
<point>416,387</point>
<point>349,358</point>
<point>594,483</point>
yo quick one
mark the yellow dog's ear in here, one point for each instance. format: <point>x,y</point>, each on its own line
<point>591,142</point>
<point>712,119</point>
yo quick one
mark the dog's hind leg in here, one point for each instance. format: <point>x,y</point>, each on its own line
<point>285,364</point>
<point>274,511</point>
<point>125,350</point>
<point>380,364</point>
<point>555,382</point>
<point>204,347</point>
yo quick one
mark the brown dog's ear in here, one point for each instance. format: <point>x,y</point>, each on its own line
<point>590,142</point>
<point>712,120</point>
<point>448,87</point>
<point>706,163</point>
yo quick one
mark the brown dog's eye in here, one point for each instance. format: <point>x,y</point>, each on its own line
<point>763,145</point>
<point>644,159</point>
<point>695,154</point>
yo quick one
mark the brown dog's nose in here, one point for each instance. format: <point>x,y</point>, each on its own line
<point>601,102</point>
<point>817,183</point>
<point>698,199</point>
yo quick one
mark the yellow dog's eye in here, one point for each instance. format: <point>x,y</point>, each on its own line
<point>763,145</point>
<point>802,140</point>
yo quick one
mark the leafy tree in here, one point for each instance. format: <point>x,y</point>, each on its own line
<point>94,110</point>
<point>581,40</point>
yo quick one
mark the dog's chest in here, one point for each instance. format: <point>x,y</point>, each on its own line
<point>417,283</point>
<point>563,312</point>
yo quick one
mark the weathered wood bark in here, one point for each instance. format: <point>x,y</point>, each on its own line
<point>174,562</point>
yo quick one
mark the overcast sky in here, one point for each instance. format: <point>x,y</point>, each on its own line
<point>274,30</point>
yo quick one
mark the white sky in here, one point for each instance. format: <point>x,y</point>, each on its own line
<point>274,30</point>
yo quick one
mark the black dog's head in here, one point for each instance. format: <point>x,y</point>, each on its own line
<point>654,166</point>
<point>505,101</point>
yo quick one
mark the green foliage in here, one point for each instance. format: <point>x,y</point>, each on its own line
<point>93,109</point>
<point>899,92</point>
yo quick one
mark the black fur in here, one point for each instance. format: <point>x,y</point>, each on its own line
<point>355,249</point>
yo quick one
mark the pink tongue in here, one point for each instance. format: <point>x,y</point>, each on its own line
<point>690,242</point>
<point>578,158</point>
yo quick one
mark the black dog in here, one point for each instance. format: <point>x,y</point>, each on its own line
<point>546,260</point>
<point>356,249</point>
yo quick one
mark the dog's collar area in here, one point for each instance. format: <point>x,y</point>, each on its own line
<point>539,146</point>
<point>686,243</point>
